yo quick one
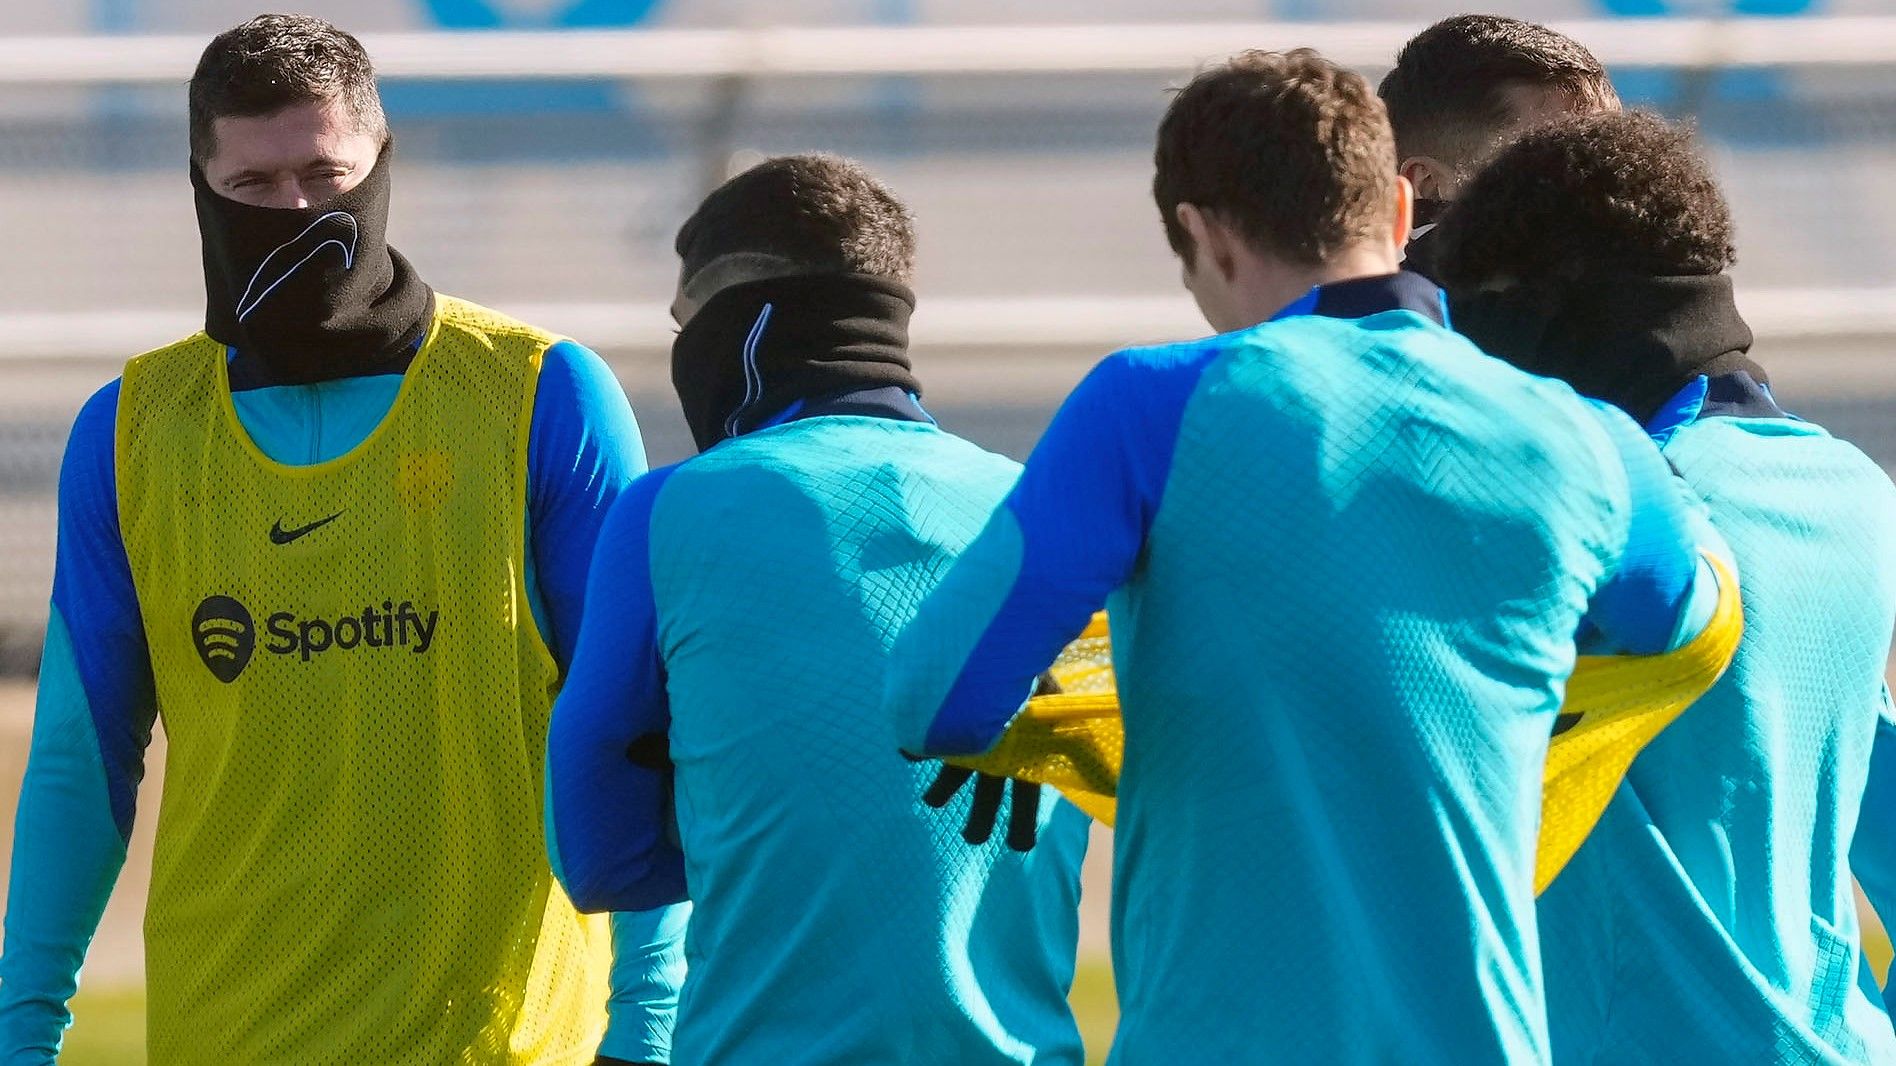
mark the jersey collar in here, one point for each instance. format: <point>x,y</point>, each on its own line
<point>1362,297</point>
<point>1730,395</point>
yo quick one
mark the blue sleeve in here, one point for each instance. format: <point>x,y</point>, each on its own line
<point>648,969</point>
<point>608,820</point>
<point>584,449</point>
<point>91,725</point>
<point>1873,849</point>
<point>1660,593</point>
<point>1067,535</point>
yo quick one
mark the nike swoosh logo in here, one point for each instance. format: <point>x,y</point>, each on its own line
<point>279,535</point>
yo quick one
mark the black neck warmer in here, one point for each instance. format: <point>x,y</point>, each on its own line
<point>313,293</point>
<point>1422,250</point>
<point>1631,340</point>
<point>754,349</point>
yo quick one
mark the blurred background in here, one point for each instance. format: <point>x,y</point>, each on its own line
<point>549,148</point>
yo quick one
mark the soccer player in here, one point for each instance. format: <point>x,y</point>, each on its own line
<point>1465,87</point>
<point>1710,914</point>
<point>1345,555</point>
<point>337,544</point>
<point>742,608</point>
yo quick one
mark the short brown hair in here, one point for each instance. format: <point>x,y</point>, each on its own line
<point>1618,192</point>
<point>1290,149</point>
<point>822,213</point>
<point>1447,91</point>
<point>274,61</point>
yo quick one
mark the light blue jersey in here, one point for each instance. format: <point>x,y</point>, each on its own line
<point>748,601</point>
<point>1347,556</point>
<point>1710,916</point>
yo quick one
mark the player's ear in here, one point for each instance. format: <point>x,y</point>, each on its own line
<point>1429,177</point>
<point>1213,243</point>
<point>1405,211</point>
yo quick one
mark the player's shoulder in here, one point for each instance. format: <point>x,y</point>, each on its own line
<point>189,349</point>
<point>454,314</point>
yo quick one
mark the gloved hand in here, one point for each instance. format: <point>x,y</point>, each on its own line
<point>1023,821</point>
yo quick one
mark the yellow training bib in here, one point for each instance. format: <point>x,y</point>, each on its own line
<point>350,866</point>
<point>1615,705</point>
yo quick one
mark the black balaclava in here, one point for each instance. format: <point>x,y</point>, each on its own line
<point>310,293</point>
<point>755,349</point>
<point>1633,340</point>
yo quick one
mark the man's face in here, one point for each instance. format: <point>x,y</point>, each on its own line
<point>299,156</point>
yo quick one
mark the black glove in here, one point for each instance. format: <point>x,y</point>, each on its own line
<point>608,1060</point>
<point>653,752</point>
<point>1023,821</point>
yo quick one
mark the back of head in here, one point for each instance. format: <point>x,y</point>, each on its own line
<point>1451,94</point>
<point>1289,149</point>
<point>1615,193</point>
<point>795,215</point>
<point>1593,250</point>
<point>274,61</point>
<point>792,290</point>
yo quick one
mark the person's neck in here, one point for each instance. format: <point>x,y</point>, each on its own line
<point>1278,284</point>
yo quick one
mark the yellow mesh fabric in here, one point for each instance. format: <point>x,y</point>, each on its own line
<point>1073,740</point>
<point>1616,704</point>
<point>350,865</point>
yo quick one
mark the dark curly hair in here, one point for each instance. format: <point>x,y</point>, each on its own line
<point>1625,192</point>
<point>1447,93</point>
<point>273,61</point>
<point>1290,149</point>
<point>822,212</point>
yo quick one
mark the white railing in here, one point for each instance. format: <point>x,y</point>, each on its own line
<point>646,55</point>
<point>735,61</point>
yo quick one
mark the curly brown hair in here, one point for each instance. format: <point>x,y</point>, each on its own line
<point>1290,149</point>
<point>1624,192</point>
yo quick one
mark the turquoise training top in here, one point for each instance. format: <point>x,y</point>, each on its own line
<point>1710,916</point>
<point>1347,556</point>
<point>745,602</point>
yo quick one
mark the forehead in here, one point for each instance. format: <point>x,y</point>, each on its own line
<point>287,137</point>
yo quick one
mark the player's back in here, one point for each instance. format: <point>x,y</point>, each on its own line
<point>1715,895</point>
<point>1340,662</point>
<point>837,919</point>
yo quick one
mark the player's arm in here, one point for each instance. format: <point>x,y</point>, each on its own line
<point>91,725</point>
<point>609,822</point>
<point>1660,592</point>
<point>585,449</point>
<point>1068,534</point>
<point>1873,849</point>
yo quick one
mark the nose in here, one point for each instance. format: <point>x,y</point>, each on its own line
<point>287,193</point>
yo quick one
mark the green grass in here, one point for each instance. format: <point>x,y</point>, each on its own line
<point>108,1029</point>
<point>1096,1007</point>
<point>108,1026</point>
